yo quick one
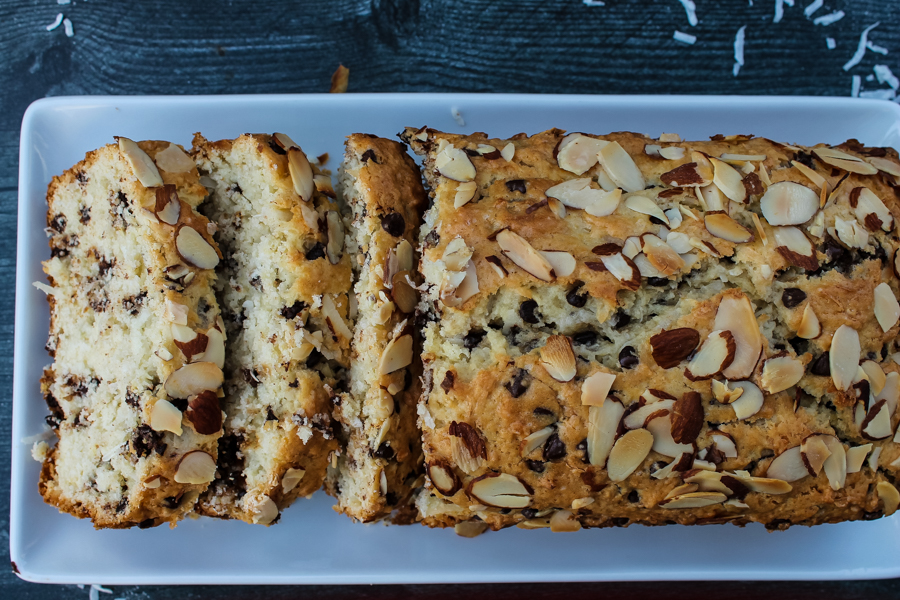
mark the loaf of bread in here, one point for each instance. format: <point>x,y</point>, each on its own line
<point>619,329</point>
<point>283,286</point>
<point>135,335</point>
<point>382,450</point>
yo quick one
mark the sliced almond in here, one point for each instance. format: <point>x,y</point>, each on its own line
<point>810,174</point>
<point>443,479</point>
<point>679,242</point>
<point>558,358</point>
<point>632,247</point>
<point>890,392</point>
<point>141,164</point>
<point>323,184</point>
<point>788,466</point>
<point>603,423</point>
<point>711,198</point>
<point>397,354</point>
<point>875,375</point>
<point>716,354</point>
<point>722,226</point>
<point>672,153</point>
<point>708,481</point>
<point>685,488</point>
<point>291,478</point>
<point>844,161</point>
<point>645,206</point>
<point>874,457</point>
<point>194,249</point>
<point>497,266</point>
<point>735,314</point>
<point>519,251</point>
<point>680,464</point>
<point>537,439</point>
<point>724,443</point>
<point>508,151</point>
<point>814,451</point>
<point>335,246</point>
<point>168,207</point>
<point>466,446</point>
<point>788,203</point>
<point>750,401</point>
<point>621,168</point>
<point>265,512</point>
<point>661,255</point>
<point>843,357</point>
<point>453,163</point>
<point>174,160</point>
<point>766,485</point>
<point>694,500</point>
<point>836,464</point>
<point>500,490</point>
<point>687,418</point>
<point>729,181</point>
<point>851,233</point>
<point>301,173</point>
<point>809,324</point>
<point>856,456</point>
<point>670,347</point>
<point>196,467</point>
<point>628,453</point>
<point>465,193</point>
<point>577,193</point>
<point>661,428</point>
<point>563,263</point>
<point>759,229</point>
<point>563,521</point>
<point>596,388</point>
<point>884,165</point>
<point>646,413</point>
<point>871,210</point>
<point>623,269</point>
<point>578,153</point>
<point>795,247</point>
<point>456,254</point>
<point>193,378</point>
<point>165,417</point>
<point>403,295</point>
<point>887,309</point>
<point>724,394</point>
<point>645,268</point>
<point>889,497</point>
<point>877,424</point>
<point>284,141</point>
<point>581,502</point>
<point>780,373</point>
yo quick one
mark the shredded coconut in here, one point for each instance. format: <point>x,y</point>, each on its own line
<point>67,25</point>
<point>94,594</point>
<point>739,50</point>
<point>870,77</point>
<point>457,116</point>
<point>691,9</point>
<point>876,48</point>
<point>40,451</point>
<point>857,83</point>
<point>809,10</point>
<point>861,49</point>
<point>830,43</point>
<point>56,23</point>
<point>44,288</point>
<point>684,37</point>
<point>829,18</point>
<point>779,11</point>
<point>879,94</point>
<point>594,3</point>
<point>884,75</point>
<point>63,1</point>
<point>46,434</point>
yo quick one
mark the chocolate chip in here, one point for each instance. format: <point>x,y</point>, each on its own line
<point>821,366</point>
<point>58,223</point>
<point>252,377</point>
<point>316,252</point>
<point>390,499</point>
<point>314,358</point>
<point>791,297</point>
<point>582,447</point>
<point>656,220</point>
<point>627,358</point>
<point>633,496</point>
<point>529,513</point>
<point>535,465</point>
<point>145,440</point>
<point>528,311</point>
<point>588,337</point>
<point>369,155</point>
<point>516,185</point>
<point>620,319</point>
<point>447,383</point>
<point>270,416</point>
<point>574,298</point>
<point>432,239</point>
<point>554,448</point>
<point>871,516</point>
<point>473,338</point>
<point>799,345</point>
<point>170,502</point>
<point>394,224</point>
<point>620,521</point>
<point>290,312</point>
<point>85,214</point>
<point>519,383</point>
<point>384,451</point>
<point>804,158</point>
<point>146,523</point>
<point>542,412</point>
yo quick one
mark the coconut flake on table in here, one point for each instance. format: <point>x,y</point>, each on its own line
<point>63,1</point>
<point>67,25</point>
<point>884,75</point>
<point>861,49</point>
<point>809,10</point>
<point>779,9</point>
<point>854,88</point>
<point>829,18</point>
<point>876,48</point>
<point>56,23</point>
<point>691,9</point>
<point>684,37</point>
<point>739,50</point>
<point>830,43</point>
<point>594,3</point>
<point>457,116</point>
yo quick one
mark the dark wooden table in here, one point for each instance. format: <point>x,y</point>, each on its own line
<point>542,46</point>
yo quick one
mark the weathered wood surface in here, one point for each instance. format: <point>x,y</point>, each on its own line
<point>542,46</point>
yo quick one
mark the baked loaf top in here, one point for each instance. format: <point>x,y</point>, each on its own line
<point>131,304</point>
<point>382,458</point>
<point>628,330</point>
<point>283,289</point>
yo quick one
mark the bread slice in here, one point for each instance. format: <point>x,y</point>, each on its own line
<point>383,455</point>
<point>283,288</point>
<point>131,302</point>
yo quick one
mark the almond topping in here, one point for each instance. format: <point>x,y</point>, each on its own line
<point>856,456</point>
<point>284,141</point>
<point>335,247</point>
<point>558,358</point>
<point>766,485</point>
<point>620,167</point>
<point>646,206</point>
<point>795,247</point>
<point>265,512</point>
<point>323,184</point>
<point>291,478</point>
<point>749,402</point>
<point>716,354</point>
<point>875,375</point>
<point>301,173</point>
<point>661,428</point>
<point>736,315</point>
<point>887,309</point>
<point>141,164</point>
<point>577,193</point>
<point>722,226</point>
<point>456,254</point>
<point>465,193</point>
<point>729,181</point>
<point>780,373</point>
<point>694,500</point>
<point>877,424</point>
<point>817,179</point>
<point>836,464</point>
<point>889,496</point>
<point>168,207</point>
<point>204,413</point>
<point>563,521</point>
<point>759,229</point>
<point>708,481</point>
<point>871,210</point>
<point>687,418</point>
<point>669,348</point>
<point>537,439</point>
<point>196,468</point>
<point>628,453</point>
<point>563,263</point>
<point>884,165</point>
<point>194,249</point>
<point>596,388</point>
<point>891,391</point>
<point>603,423</point>
<point>661,255</point>
<point>622,269</point>
<point>443,479</point>
<point>174,160</point>
<point>524,255</point>
<point>814,452</point>
<point>193,378</point>
<point>466,446</point>
<point>725,444</point>
<point>851,233</point>
<point>578,153</point>
<point>724,394</point>
<point>453,163</point>
<point>403,295</point>
<point>843,357</point>
<point>500,490</point>
<point>809,324</point>
<point>647,413</point>
<point>165,417</point>
<point>788,203</point>
<point>508,151</point>
<point>844,161</point>
<point>397,354</point>
<point>683,176</point>
<point>788,466</point>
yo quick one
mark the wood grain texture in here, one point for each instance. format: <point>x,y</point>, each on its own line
<point>541,46</point>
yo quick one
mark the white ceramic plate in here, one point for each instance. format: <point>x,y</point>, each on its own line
<point>312,544</point>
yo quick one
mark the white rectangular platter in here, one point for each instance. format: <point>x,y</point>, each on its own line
<point>312,544</point>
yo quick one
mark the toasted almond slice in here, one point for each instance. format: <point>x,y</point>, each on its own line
<point>291,478</point>
<point>645,267</point>
<point>301,173</point>
<point>843,357</point>
<point>836,464</point>
<point>708,480</point>
<point>884,165</point>
<point>870,209</point>
<point>648,412</point>
<point>497,266</point>
<point>603,422</point>
<point>766,485</point>
<point>788,203</point>
<point>851,233</point>
<point>724,394</point>
<point>620,167</point>
<point>405,297</point>
<point>563,263</point>
<point>672,153</point>
<point>749,402</point>
<point>759,229</point>
<point>141,164</point>
<point>725,443</point>
<point>686,211</point>
<point>675,218</point>
<point>694,500</point>
<point>716,353</point>
<point>214,350</point>
<point>669,137</point>
<point>788,466</point>
<point>795,247</point>
<point>743,157</point>
<point>334,319</point>
<point>500,490</point>
<point>662,256</point>
<point>814,451</point>
<point>557,208</point>
<point>453,163</point>
<point>537,439</point>
<point>628,453</point>
<point>887,309</point>
<point>323,184</point>
<point>632,247</point>
<point>680,464</point>
<point>661,428</point>
<point>877,424</point>
<point>874,457</point>
<point>729,181</point>
<point>396,355</point>
<point>736,315</point>
<point>875,375</point>
<point>652,149</point>
<point>685,488</point>
<point>596,388</point>
<point>711,198</point>
<point>558,358</point>
<point>165,417</point>
<point>889,496</point>
<point>604,205</point>
<point>465,193</point>
<point>780,373</point>
<point>456,255</point>
<point>196,467</point>
<point>284,141</point>
<point>623,269</point>
<point>890,393</point>
<point>508,151</point>
<point>817,179</point>
<point>193,378</point>
<point>194,249</point>
<point>174,160</point>
<point>564,521</point>
<point>809,324</point>
<point>645,206</point>
<point>470,529</point>
<point>679,242</point>
<point>722,226</point>
<point>578,153</point>
<point>844,161</point>
<point>335,246</point>
<point>817,228</point>
<point>485,149</point>
<point>577,193</point>
<point>524,255</point>
<point>581,502</point>
<point>856,456</point>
